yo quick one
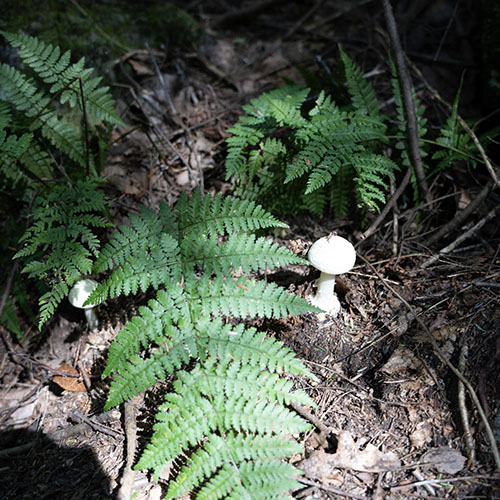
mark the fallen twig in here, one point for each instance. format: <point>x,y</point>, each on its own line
<point>96,426</point>
<point>131,433</point>
<point>33,391</point>
<point>447,249</point>
<point>5,334</point>
<point>461,216</point>
<point>418,475</point>
<point>325,431</point>
<point>462,407</point>
<point>409,104</point>
<point>329,489</point>
<point>442,480</point>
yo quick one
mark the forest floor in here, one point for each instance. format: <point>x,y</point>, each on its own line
<point>388,422</point>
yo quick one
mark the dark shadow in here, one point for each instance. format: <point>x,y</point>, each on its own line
<point>36,467</point>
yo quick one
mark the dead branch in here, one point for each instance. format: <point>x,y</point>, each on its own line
<point>409,103</point>
<point>463,215</point>
<point>462,407</point>
<point>441,480</point>
<point>447,249</point>
<point>131,433</point>
<point>330,490</point>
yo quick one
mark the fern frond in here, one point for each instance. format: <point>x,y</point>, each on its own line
<point>235,387</point>
<point>24,94</point>
<point>174,345</point>
<point>38,162</point>
<point>12,148</point>
<point>61,244</point>
<point>154,263</point>
<point>455,143</point>
<point>360,90</point>
<point>204,463</point>
<point>155,324</point>
<point>316,147</point>
<point>65,78</point>
<point>315,202</point>
<point>340,191</point>
<point>372,174</point>
<point>231,400</point>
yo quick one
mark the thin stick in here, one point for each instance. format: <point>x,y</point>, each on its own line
<point>162,80</point>
<point>331,490</point>
<point>309,416</point>
<point>427,486</point>
<point>441,355</point>
<point>131,433</point>
<point>447,249</point>
<point>462,406</point>
<point>59,435</point>
<point>438,481</point>
<point>481,150</point>
<point>462,215</point>
<point>466,127</point>
<point>446,31</point>
<point>395,224</point>
<point>409,104</point>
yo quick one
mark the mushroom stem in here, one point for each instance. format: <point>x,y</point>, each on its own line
<point>92,319</point>
<point>325,297</point>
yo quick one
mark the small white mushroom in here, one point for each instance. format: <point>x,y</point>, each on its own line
<point>79,294</point>
<point>331,255</point>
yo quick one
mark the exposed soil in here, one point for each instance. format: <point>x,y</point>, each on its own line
<point>385,399</point>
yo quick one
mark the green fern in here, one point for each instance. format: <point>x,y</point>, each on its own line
<point>233,399</point>
<point>456,144</point>
<point>275,144</point>
<point>44,103</point>
<point>61,245</point>
<point>12,146</point>
<point>360,90</point>
<point>66,80</point>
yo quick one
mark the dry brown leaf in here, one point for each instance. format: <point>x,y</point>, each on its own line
<point>445,460</point>
<point>73,384</point>
<point>321,465</point>
<point>421,435</point>
<point>408,369</point>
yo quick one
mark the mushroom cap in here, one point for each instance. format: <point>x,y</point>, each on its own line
<point>80,293</point>
<point>332,255</point>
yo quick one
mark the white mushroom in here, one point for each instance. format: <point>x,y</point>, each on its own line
<point>79,294</point>
<point>331,255</point>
